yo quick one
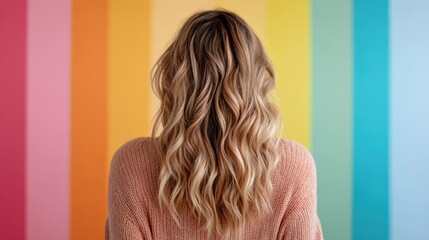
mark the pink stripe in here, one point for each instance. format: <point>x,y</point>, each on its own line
<point>12,119</point>
<point>48,119</point>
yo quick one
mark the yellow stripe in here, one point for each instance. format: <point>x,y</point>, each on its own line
<point>167,17</point>
<point>288,45</point>
<point>128,71</point>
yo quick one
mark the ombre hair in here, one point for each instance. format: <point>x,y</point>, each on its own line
<point>218,144</point>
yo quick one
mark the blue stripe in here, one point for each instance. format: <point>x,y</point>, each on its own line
<point>409,117</point>
<point>370,218</point>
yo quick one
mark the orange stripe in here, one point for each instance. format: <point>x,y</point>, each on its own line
<point>88,177</point>
<point>128,72</point>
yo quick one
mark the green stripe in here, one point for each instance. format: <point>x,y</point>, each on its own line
<point>332,113</point>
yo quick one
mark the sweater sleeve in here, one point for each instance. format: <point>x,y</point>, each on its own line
<point>121,222</point>
<point>122,229</point>
<point>300,221</point>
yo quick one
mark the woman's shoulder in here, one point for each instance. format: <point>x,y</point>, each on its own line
<point>134,160</point>
<point>132,148</point>
<point>295,152</point>
<point>296,162</point>
<point>135,143</point>
<point>132,180</point>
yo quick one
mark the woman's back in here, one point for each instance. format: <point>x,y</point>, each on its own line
<point>134,211</point>
<point>216,165</point>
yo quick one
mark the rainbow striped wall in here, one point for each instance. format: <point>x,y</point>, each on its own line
<point>352,82</point>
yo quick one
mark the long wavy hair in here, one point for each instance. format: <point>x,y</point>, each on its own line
<point>218,143</point>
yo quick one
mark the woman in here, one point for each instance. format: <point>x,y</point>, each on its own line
<point>216,170</point>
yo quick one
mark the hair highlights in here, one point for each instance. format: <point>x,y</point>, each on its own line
<point>217,145</point>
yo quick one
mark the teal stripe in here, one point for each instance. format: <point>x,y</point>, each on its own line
<point>370,149</point>
<point>332,113</point>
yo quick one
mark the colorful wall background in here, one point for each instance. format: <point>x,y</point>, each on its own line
<point>352,82</point>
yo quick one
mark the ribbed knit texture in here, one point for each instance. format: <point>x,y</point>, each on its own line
<point>134,213</point>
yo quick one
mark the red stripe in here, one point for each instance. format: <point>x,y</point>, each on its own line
<point>12,118</point>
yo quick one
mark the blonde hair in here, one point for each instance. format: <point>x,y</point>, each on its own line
<point>217,145</point>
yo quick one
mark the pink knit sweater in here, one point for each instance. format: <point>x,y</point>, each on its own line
<point>133,210</point>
